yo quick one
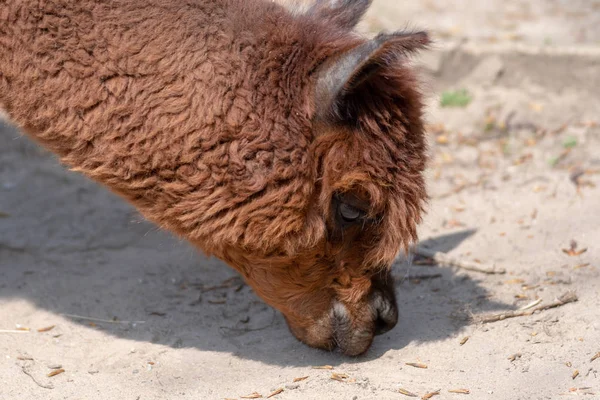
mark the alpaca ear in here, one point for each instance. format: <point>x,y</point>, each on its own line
<point>343,13</point>
<point>345,74</point>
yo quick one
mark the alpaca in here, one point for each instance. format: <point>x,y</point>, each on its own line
<point>281,142</point>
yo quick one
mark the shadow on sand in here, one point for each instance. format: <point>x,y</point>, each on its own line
<point>70,247</point>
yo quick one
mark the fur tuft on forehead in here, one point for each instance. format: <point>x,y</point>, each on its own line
<point>377,149</point>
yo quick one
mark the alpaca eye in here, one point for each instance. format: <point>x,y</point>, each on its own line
<point>349,213</point>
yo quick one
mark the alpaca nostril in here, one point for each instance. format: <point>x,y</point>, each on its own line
<point>384,325</point>
<point>387,314</point>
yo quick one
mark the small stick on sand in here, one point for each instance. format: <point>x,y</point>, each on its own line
<point>566,298</point>
<point>423,277</point>
<point>13,331</point>
<point>531,305</point>
<point>445,259</point>
<point>108,321</point>
<point>417,277</point>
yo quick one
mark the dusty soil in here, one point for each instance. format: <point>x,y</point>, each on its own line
<point>514,178</point>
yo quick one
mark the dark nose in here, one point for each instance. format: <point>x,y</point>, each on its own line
<point>387,314</point>
<point>383,301</point>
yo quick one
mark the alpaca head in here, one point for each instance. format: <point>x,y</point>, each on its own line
<point>331,276</point>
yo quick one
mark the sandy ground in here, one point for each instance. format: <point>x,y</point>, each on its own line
<point>514,178</point>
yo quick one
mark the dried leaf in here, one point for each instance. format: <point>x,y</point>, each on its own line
<point>530,142</point>
<point>158,313</point>
<point>323,367</point>
<point>442,139</point>
<point>514,281</point>
<point>534,213</point>
<point>339,377</point>
<point>572,250</point>
<point>275,393</point>
<point>573,253</point>
<point>529,287</point>
<point>46,329</point>
<point>417,365</point>
<point>464,340</point>
<point>55,372</point>
<point>430,395</point>
<point>537,107</point>
<point>453,223</point>
<point>436,129</point>
<point>407,393</point>
<point>582,390</point>
<point>460,391</point>
<point>595,357</point>
<point>254,395</point>
<point>447,158</point>
<point>575,374</point>
<point>578,266</point>
<point>300,379</point>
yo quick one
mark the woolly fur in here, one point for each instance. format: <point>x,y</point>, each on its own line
<point>202,115</point>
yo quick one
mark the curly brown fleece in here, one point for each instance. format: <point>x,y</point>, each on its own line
<point>203,115</point>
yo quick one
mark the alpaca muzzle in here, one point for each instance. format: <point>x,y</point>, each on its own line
<point>351,327</point>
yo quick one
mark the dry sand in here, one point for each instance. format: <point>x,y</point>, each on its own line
<point>514,178</point>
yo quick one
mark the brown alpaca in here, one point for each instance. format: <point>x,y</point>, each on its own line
<point>280,142</point>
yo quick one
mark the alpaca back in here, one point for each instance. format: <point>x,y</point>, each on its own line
<point>185,108</point>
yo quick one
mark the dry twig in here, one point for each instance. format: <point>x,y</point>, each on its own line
<point>460,391</point>
<point>531,305</point>
<point>108,321</point>
<point>339,377</point>
<point>254,395</point>
<point>47,328</point>
<point>55,372</point>
<point>407,393</point>
<point>566,298</point>
<point>417,365</point>
<point>445,259</point>
<point>275,393</point>
<point>429,395</point>
<point>322,367</point>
